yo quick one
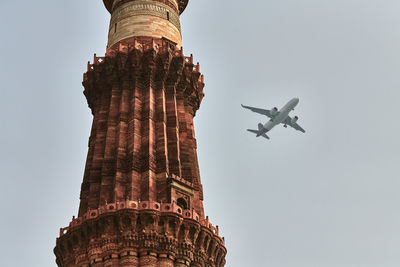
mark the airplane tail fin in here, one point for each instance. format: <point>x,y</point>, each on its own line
<point>260,129</point>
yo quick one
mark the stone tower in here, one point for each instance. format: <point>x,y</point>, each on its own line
<point>141,202</point>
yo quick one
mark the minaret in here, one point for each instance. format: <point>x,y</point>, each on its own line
<point>141,196</point>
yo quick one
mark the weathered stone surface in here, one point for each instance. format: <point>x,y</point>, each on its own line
<point>148,18</point>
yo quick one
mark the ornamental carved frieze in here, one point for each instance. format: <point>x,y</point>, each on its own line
<point>151,8</point>
<point>112,4</point>
<point>131,232</point>
<point>145,64</point>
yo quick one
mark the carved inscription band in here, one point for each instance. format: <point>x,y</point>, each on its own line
<point>172,4</point>
<point>146,8</point>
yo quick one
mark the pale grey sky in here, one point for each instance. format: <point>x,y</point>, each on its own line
<point>327,198</point>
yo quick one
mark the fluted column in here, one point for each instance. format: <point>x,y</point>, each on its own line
<point>172,131</point>
<point>120,189</point>
<point>134,141</point>
<point>183,137</point>
<point>109,160</point>
<point>85,187</point>
<point>99,147</point>
<point>147,155</point>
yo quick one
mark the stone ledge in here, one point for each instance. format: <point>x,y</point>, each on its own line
<point>120,234</point>
<point>159,46</point>
<point>138,206</point>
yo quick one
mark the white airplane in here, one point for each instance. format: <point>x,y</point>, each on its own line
<point>276,117</point>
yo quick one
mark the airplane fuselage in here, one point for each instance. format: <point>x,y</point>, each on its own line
<point>282,115</point>
<point>276,117</point>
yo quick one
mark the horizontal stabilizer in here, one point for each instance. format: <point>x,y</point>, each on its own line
<point>265,136</point>
<point>258,133</point>
<point>252,131</point>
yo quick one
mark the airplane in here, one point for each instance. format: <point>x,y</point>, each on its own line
<point>276,117</point>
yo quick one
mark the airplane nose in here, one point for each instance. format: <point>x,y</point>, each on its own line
<point>296,100</point>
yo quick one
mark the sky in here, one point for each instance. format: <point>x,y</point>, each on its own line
<point>326,198</point>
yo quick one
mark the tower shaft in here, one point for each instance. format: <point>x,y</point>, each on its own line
<point>141,196</point>
<point>142,144</point>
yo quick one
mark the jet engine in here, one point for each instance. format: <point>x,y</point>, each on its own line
<point>274,111</point>
<point>295,119</point>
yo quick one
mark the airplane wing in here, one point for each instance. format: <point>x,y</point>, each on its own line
<point>294,125</point>
<point>265,112</point>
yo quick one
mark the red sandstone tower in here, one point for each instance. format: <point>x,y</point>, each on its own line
<point>141,197</point>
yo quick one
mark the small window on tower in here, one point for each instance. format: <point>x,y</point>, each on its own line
<point>182,203</point>
<point>167,15</point>
<point>115,28</point>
